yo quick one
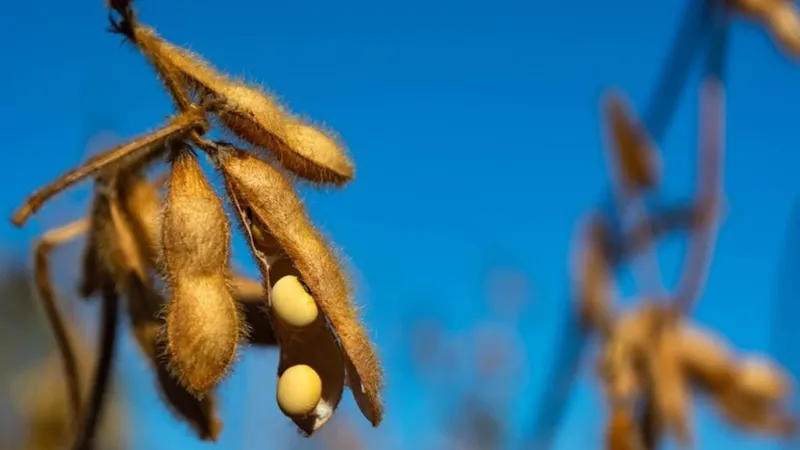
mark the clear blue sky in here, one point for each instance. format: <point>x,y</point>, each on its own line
<point>475,130</point>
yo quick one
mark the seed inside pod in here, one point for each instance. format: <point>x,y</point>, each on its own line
<point>292,303</point>
<point>314,345</point>
<point>299,390</point>
<point>273,204</point>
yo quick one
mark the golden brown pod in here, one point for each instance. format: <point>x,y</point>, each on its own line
<point>621,430</point>
<point>755,8</point>
<point>741,411</point>
<point>203,326</point>
<point>142,204</point>
<point>128,254</point>
<point>314,345</point>
<point>253,115</point>
<point>761,379</point>
<point>112,251</point>
<point>630,146</point>
<point>784,21</point>
<point>705,357</point>
<point>144,308</point>
<point>270,199</point>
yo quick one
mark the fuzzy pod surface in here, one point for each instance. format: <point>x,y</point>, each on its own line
<point>203,326</point>
<point>314,345</point>
<point>252,114</point>
<point>271,198</point>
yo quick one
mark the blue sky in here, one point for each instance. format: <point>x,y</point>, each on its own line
<point>475,130</point>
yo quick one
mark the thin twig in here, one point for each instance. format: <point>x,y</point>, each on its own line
<point>102,378</point>
<point>54,315</point>
<point>138,149</point>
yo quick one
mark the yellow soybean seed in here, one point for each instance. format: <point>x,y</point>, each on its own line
<point>299,390</point>
<point>292,303</point>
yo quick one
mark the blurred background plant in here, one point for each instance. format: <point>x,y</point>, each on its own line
<point>34,408</point>
<point>460,253</point>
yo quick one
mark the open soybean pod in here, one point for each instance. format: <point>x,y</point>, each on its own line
<point>140,202</point>
<point>311,368</point>
<point>270,200</point>
<point>251,114</point>
<point>203,325</point>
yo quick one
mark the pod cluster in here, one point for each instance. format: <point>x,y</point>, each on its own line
<point>164,246</point>
<point>652,359</point>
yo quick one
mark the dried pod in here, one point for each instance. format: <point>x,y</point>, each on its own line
<point>621,431</point>
<point>272,207</point>
<point>142,203</point>
<point>754,8</point>
<point>150,45</point>
<point>784,20</point>
<point>112,251</point>
<point>125,259</point>
<point>144,307</point>
<point>753,416</point>
<point>200,414</point>
<point>618,369</point>
<point>705,357</point>
<point>314,345</point>
<point>625,352</point>
<point>203,326</point>
<point>116,239</point>
<point>250,113</point>
<point>760,379</point>
<point>633,153</point>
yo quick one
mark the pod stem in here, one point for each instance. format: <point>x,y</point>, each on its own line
<point>92,414</point>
